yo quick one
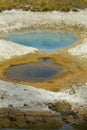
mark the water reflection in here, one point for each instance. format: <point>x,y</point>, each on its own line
<point>66,127</point>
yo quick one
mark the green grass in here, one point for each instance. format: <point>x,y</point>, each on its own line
<point>43,5</point>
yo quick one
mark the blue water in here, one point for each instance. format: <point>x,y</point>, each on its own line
<point>39,71</point>
<point>44,40</point>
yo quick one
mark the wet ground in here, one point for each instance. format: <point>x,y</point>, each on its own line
<point>64,127</point>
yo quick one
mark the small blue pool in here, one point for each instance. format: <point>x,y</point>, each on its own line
<point>44,40</point>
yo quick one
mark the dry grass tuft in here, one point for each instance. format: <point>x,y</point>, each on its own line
<point>43,5</point>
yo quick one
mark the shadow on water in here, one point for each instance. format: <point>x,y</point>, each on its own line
<point>41,70</point>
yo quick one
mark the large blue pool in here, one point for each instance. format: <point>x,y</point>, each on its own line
<point>43,40</point>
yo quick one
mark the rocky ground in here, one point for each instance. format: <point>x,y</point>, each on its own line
<point>19,103</point>
<point>26,19</point>
<point>9,50</point>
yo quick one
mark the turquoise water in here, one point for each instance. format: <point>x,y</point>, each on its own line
<point>44,40</point>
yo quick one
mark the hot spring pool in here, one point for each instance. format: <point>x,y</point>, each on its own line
<point>41,70</point>
<point>43,40</point>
